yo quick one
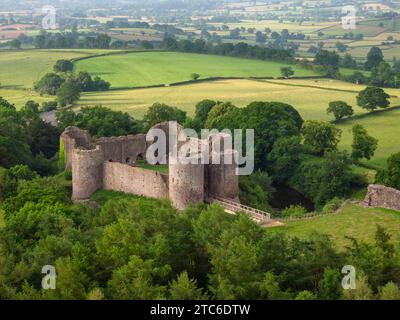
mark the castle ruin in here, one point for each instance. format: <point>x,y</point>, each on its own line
<point>379,196</point>
<point>112,164</point>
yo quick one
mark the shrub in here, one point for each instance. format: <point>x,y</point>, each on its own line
<point>296,211</point>
<point>332,205</point>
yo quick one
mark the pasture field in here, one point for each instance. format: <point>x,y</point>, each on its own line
<point>20,96</point>
<point>310,97</point>
<point>389,51</point>
<point>354,221</point>
<point>392,24</point>
<point>306,27</point>
<point>384,126</point>
<point>365,30</point>
<point>153,68</point>
<point>20,69</point>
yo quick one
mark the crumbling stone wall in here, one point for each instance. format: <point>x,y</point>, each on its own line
<point>109,163</point>
<point>134,180</point>
<point>382,197</point>
<point>72,138</point>
<point>123,149</point>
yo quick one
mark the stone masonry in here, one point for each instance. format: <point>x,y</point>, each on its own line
<point>111,164</point>
<point>382,197</point>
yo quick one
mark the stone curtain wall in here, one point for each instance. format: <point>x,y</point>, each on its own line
<point>123,149</point>
<point>134,180</point>
<point>382,197</point>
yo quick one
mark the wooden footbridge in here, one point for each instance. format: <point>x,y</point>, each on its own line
<point>233,207</point>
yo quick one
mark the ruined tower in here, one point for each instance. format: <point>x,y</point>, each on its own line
<point>186,177</point>
<point>87,172</point>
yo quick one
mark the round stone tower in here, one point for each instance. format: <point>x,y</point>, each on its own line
<point>186,178</point>
<point>87,172</point>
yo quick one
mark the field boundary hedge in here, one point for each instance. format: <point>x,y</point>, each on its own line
<point>367,114</point>
<point>314,214</point>
<point>209,79</point>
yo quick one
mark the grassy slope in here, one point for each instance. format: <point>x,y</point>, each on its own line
<point>21,69</point>
<point>383,126</point>
<point>308,96</point>
<point>19,97</point>
<point>151,68</point>
<point>354,221</point>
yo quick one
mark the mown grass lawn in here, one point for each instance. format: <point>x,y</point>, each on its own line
<point>354,221</point>
<point>154,68</point>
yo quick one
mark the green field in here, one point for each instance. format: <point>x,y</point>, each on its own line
<point>20,96</point>
<point>310,97</point>
<point>383,126</point>
<point>354,221</point>
<point>153,68</point>
<point>21,69</point>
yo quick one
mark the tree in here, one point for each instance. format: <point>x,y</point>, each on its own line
<point>63,66</point>
<point>383,75</point>
<point>184,288</point>
<point>390,291</point>
<point>260,37</point>
<point>327,58</point>
<point>68,93</point>
<point>270,289</point>
<point>348,61</point>
<point>99,121</point>
<point>223,116</point>
<point>340,109</point>
<point>374,58</point>
<point>362,290</point>
<point>391,175</point>
<point>306,295</point>
<point>202,109</point>
<point>320,136</point>
<point>194,76</point>
<point>30,109</point>
<point>396,68</point>
<point>285,158</point>
<point>134,281</point>
<point>270,121</point>
<point>287,72</point>
<point>372,98</point>
<point>341,46</point>
<point>320,181</point>
<point>15,44</point>
<point>160,112</point>
<point>14,148</point>
<point>364,146</point>
<point>330,285</point>
<point>8,185</point>
<point>256,190</point>
<point>49,84</point>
